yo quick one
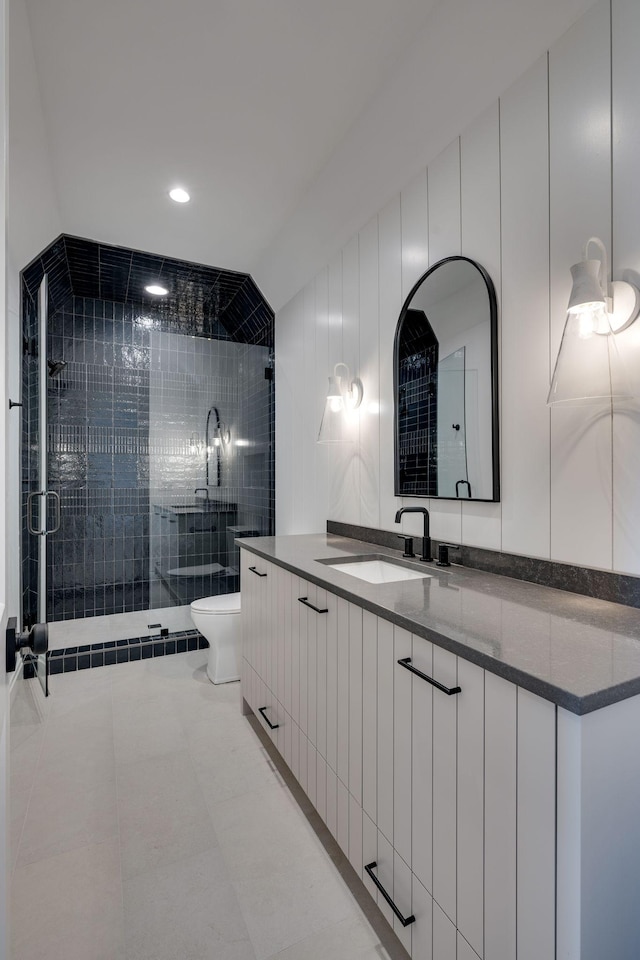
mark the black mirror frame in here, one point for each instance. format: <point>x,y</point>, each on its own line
<point>495,396</point>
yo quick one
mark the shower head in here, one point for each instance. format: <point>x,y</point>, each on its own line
<point>56,366</point>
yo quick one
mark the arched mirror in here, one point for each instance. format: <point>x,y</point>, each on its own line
<point>446,386</point>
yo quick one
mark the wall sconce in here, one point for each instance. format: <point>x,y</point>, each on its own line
<point>589,366</point>
<point>343,396</point>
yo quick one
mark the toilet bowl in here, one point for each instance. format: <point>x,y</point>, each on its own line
<point>218,620</point>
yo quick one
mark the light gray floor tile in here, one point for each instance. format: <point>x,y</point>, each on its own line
<point>68,811</point>
<point>147,728</point>
<point>244,770</point>
<point>262,833</point>
<point>286,907</point>
<point>185,911</point>
<point>163,815</point>
<point>351,939</point>
<point>69,907</point>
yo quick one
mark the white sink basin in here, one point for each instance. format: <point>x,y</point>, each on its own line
<point>378,571</point>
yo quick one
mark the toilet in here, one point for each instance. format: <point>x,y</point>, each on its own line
<point>218,620</point>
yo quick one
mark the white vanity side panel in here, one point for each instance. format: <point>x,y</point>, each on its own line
<point>343,691</point>
<point>286,365</point>
<point>402,897</point>
<point>384,873</point>
<point>536,888</point>
<point>580,185</point>
<point>385,728</point>
<point>422,765</point>
<point>525,374</point>
<point>304,614</point>
<point>275,592</point>
<point>283,581</point>
<point>480,221</point>
<point>369,852</point>
<point>444,203</point>
<point>321,786</point>
<point>444,783</point>
<point>465,952</point>
<point>335,460</point>
<point>390,292</point>
<point>369,714</point>
<point>470,838</point>
<point>444,935</point>
<point>402,643</point>
<point>355,702</point>
<point>286,643</point>
<point>332,681</point>
<point>415,234</point>
<point>312,767</point>
<point>422,933</point>
<point>369,373</point>
<point>500,818</point>
<point>310,520</point>
<point>303,753</point>
<point>320,452</point>
<point>323,600</point>
<point>295,649</point>
<point>626,256</point>
<point>343,818</point>
<point>445,240</point>
<point>610,866</point>
<point>348,508</point>
<point>569,835</point>
<point>312,664</point>
<point>332,802</point>
<point>355,835</point>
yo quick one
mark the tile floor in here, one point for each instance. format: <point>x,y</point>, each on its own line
<point>149,822</point>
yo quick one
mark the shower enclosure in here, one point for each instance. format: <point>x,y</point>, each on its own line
<point>154,422</point>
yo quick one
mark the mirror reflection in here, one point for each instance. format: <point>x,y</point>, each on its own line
<point>446,390</point>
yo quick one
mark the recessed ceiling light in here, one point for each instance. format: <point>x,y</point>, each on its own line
<point>179,195</point>
<point>156,290</point>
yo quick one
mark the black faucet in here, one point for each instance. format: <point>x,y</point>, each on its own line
<point>206,490</point>
<point>426,541</point>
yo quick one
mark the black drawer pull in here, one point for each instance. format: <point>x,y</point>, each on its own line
<point>257,572</point>
<point>406,663</point>
<point>311,606</point>
<point>405,921</point>
<point>274,726</point>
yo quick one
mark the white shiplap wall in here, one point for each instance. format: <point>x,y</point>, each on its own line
<point>552,163</point>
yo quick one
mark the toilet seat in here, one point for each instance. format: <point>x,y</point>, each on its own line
<point>223,604</point>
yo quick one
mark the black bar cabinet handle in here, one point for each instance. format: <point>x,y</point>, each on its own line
<point>405,921</point>
<point>406,663</point>
<point>257,572</point>
<point>274,726</point>
<point>311,606</point>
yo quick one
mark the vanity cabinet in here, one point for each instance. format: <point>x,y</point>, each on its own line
<point>448,787</point>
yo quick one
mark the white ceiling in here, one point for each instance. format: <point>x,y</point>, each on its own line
<point>241,101</point>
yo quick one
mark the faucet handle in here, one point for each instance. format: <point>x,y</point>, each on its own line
<point>408,545</point>
<point>443,553</point>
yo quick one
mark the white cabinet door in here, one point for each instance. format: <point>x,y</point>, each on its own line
<point>312,662</point>
<point>536,827</point>
<point>323,600</point>
<point>295,609</point>
<point>445,671</point>
<point>369,714</point>
<point>385,729</point>
<point>444,935</point>
<point>422,763</point>
<point>342,768</point>
<point>422,933</point>
<point>470,838</point>
<point>332,682</point>
<point>303,633</point>
<point>355,702</point>
<point>402,738</point>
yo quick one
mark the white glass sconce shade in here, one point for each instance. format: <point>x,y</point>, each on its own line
<point>344,396</point>
<point>589,366</point>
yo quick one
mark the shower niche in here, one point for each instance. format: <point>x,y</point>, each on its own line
<point>155,413</point>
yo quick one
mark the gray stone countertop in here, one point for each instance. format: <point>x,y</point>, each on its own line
<point>578,652</point>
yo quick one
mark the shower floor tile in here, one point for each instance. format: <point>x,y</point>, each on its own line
<point>207,848</point>
<point>116,626</point>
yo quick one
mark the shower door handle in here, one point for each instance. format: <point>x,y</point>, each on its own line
<point>30,526</point>
<point>56,523</point>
